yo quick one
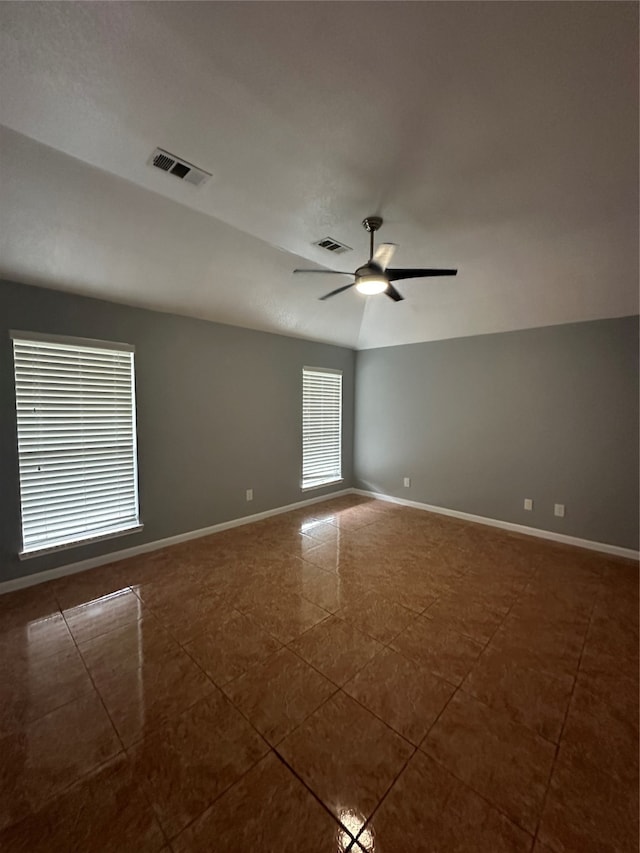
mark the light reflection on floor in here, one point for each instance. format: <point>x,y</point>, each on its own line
<point>354,822</point>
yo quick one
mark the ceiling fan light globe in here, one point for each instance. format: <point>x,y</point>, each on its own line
<point>371,284</point>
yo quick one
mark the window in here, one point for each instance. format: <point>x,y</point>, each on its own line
<point>75,402</point>
<point>321,427</point>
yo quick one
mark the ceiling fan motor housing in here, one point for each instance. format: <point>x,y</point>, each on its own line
<point>370,268</point>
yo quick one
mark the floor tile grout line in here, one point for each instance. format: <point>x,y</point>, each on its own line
<point>387,791</point>
<point>297,725</point>
<point>458,688</point>
<point>166,721</point>
<point>67,788</point>
<point>125,750</point>
<point>486,646</point>
<point>270,748</point>
<point>505,714</point>
<point>95,686</point>
<point>26,723</point>
<point>339,688</point>
<point>564,722</point>
<point>326,808</point>
<point>463,782</point>
<point>461,686</point>
<point>219,795</point>
<point>482,796</point>
<point>381,719</point>
<point>319,671</point>
<point>304,720</point>
<point>122,752</point>
<point>373,713</point>
<point>274,747</point>
<point>23,726</point>
<point>242,712</point>
<point>417,749</point>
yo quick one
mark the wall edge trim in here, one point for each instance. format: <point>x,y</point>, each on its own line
<point>157,544</point>
<point>113,557</point>
<point>540,533</point>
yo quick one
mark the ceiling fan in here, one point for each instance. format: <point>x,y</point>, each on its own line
<point>376,276</point>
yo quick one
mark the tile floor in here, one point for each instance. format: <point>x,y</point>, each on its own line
<point>353,676</point>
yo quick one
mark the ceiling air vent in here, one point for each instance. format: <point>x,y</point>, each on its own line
<point>332,245</point>
<point>187,172</point>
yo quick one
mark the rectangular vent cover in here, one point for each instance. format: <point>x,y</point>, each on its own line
<point>179,168</point>
<point>332,245</point>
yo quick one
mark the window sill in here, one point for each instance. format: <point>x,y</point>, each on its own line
<point>51,549</point>
<point>322,485</point>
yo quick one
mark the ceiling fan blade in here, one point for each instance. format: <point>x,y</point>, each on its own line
<point>383,254</point>
<point>338,290</point>
<point>326,272</point>
<point>392,293</point>
<point>396,275</point>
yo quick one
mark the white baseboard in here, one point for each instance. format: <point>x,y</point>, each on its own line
<point>602,547</point>
<point>114,556</point>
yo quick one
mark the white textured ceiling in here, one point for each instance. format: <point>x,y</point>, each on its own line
<point>499,138</point>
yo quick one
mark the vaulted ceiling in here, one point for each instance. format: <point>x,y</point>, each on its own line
<point>498,138</point>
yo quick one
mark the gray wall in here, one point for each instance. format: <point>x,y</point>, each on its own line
<point>481,423</point>
<point>219,411</point>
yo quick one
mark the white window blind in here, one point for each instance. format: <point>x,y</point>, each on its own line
<point>321,426</point>
<point>75,407</point>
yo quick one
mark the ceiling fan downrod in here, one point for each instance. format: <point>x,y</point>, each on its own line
<point>371,224</point>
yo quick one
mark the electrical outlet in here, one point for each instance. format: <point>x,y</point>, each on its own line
<point>249,494</point>
<point>528,503</point>
<point>558,509</point>
<point>407,482</point>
